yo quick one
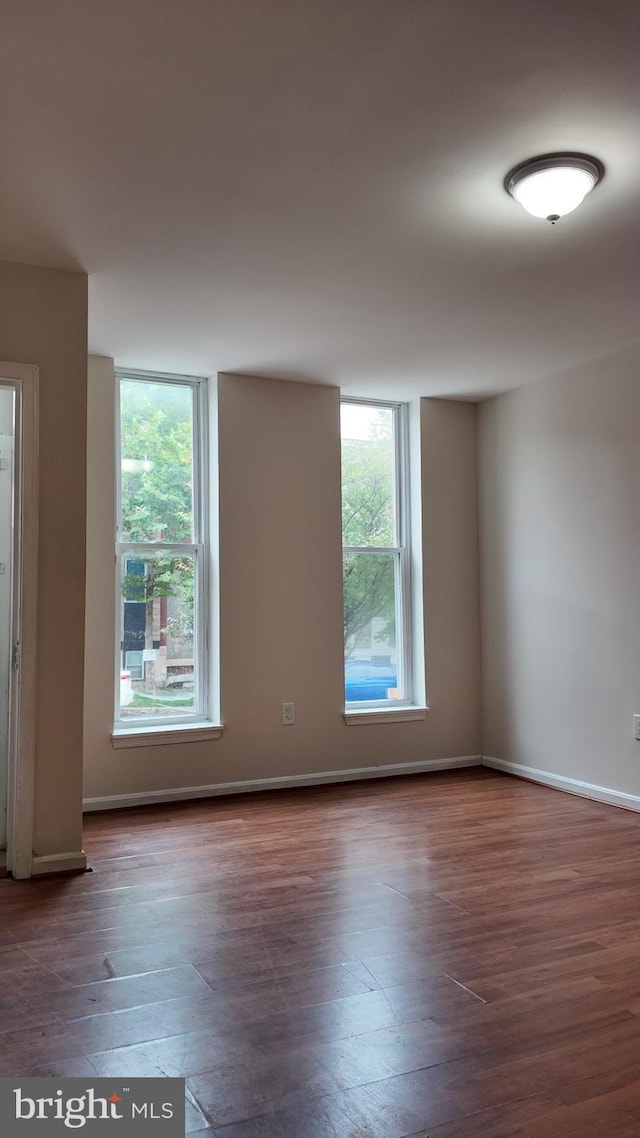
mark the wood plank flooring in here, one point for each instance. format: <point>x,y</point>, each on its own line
<point>453,955</point>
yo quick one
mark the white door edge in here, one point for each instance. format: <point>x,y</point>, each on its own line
<point>22,728</point>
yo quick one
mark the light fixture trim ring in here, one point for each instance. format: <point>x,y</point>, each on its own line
<point>570,158</point>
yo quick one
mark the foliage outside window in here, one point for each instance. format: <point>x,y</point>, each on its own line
<point>160,551</point>
<point>375,554</point>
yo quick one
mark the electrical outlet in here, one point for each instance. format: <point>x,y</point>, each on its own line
<point>288,713</point>
<point>636,728</point>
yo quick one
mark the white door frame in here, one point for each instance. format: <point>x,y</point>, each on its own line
<point>22,714</point>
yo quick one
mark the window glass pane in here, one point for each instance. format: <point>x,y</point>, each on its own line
<point>367,475</point>
<point>158,650</point>
<point>370,641</point>
<point>156,461</point>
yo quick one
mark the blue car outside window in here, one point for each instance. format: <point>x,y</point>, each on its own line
<point>365,681</point>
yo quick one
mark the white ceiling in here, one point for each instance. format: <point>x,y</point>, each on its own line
<point>313,188</point>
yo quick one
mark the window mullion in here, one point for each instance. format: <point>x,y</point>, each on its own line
<point>400,625</point>
<point>371,549</point>
<point>172,547</point>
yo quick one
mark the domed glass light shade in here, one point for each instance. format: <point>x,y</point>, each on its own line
<point>554,185</point>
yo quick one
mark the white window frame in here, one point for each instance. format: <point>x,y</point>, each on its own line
<point>199,548</point>
<point>401,550</point>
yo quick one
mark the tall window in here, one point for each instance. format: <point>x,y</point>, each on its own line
<point>376,561</point>
<point>161,553</point>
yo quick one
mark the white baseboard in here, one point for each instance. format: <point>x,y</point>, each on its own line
<point>58,863</point>
<point>570,785</point>
<point>286,782</point>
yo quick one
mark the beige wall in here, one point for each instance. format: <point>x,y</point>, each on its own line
<point>99,663</point>
<point>43,321</point>
<point>281,600</point>
<point>560,524</point>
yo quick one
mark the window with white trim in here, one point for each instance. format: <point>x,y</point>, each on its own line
<point>376,556</point>
<point>161,551</point>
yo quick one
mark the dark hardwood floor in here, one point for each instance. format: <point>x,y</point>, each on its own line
<point>455,955</point>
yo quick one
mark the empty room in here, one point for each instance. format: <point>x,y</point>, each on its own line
<point>319,568</point>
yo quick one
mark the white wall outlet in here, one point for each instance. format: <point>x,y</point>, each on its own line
<point>636,728</point>
<point>288,713</point>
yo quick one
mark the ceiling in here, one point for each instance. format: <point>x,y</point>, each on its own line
<point>312,189</point>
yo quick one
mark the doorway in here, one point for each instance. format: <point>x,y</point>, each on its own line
<point>18,612</point>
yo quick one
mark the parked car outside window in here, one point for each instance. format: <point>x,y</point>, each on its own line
<point>366,680</point>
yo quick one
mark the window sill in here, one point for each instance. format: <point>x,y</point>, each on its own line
<point>157,736</point>
<point>384,715</point>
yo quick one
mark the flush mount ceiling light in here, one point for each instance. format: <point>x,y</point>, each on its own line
<point>553,184</point>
